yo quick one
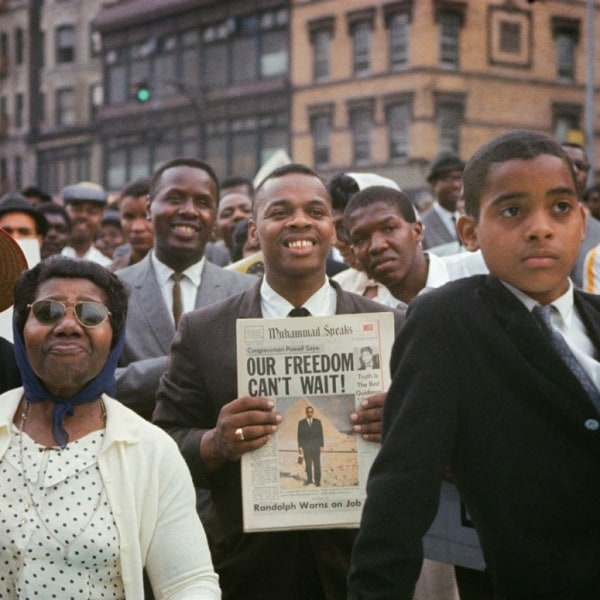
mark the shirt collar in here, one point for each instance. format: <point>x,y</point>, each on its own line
<point>163,272</point>
<point>321,304</point>
<point>564,304</point>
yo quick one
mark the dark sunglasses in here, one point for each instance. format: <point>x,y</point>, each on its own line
<point>88,314</point>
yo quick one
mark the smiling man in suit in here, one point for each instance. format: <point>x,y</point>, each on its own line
<point>198,399</point>
<point>183,205</point>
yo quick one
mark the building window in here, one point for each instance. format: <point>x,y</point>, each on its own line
<point>361,48</point>
<point>566,118</point>
<point>3,116</point>
<point>96,93</point>
<point>4,55</point>
<point>58,167</point>
<point>320,129</point>
<point>240,146</point>
<point>449,31</point>
<point>361,124</point>
<point>449,118</point>
<point>19,46</point>
<point>566,37</point>
<point>18,172</point>
<point>65,44</point>
<point>398,32</point>
<point>398,113</point>
<point>244,49</point>
<point>65,107</point>
<point>509,37</point>
<point>19,107</point>
<point>321,44</point>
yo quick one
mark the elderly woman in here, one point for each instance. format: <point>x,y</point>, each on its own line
<point>90,493</point>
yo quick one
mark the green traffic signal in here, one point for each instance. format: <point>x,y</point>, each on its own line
<point>142,91</point>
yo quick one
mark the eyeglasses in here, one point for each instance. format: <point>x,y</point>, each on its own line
<point>88,314</point>
<point>580,165</point>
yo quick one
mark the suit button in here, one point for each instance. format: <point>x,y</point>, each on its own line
<point>592,424</point>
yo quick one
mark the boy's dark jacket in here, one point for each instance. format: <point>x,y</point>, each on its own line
<point>479,387</point>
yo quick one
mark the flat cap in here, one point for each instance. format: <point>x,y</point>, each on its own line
<point>14,202</point>
<point>82,192</point>
<point>444,162</point>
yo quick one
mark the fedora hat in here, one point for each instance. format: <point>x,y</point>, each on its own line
<point>12,263</point>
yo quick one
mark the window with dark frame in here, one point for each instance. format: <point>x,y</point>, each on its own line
<point>398,31</point>
<point>361,47</point>
<point>449,24</point>
<point>566,37</point>
<point>19,46</point>
<point>321,42</point>
<point>19,110</point>
<point>398,122</point>
<point>361,123</point>
<point>449,119</point>
<point>65,107</point>
<point>65,44</point>
<point>510,37</point>
<point>320,128</point>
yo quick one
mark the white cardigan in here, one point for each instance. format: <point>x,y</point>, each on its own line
<point>153,501</point>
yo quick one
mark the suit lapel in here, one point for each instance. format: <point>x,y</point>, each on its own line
<point>153,308</point>
<point>523,331</point>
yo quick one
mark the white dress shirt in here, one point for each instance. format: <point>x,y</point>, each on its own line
<point>321,304</point>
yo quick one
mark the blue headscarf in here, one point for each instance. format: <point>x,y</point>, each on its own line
<point>35,391</point>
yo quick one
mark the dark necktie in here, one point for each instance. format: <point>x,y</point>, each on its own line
<point>299,312</point>
<point>543,314</point>
<point>177,302</point>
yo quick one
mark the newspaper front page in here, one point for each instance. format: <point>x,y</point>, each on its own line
<point>313,471</point>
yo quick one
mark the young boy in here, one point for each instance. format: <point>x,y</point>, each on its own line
<point>478,385</point>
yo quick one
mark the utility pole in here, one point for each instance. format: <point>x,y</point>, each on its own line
<point>589,88</point>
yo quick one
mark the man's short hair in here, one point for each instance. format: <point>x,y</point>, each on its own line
<point>182,161</point>
<point>516,144</point>
<point>379,193</point>
<point>238,181</point>
<point>51,208</point>
<point>289,169</point>
<point>139,187</point>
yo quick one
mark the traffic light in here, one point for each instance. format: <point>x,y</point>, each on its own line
<point>141,91</point>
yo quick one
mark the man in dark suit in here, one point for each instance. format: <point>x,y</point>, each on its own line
<point>183,206</point>
<point>446,184</point>
<point>310,446</point>
<point>198,399</point>
<point>509,401</point>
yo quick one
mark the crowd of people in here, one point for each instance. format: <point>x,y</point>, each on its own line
<point>123,362</point>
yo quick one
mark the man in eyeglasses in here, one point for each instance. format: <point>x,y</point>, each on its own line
<point>581,165</point>
<point>445,179</point>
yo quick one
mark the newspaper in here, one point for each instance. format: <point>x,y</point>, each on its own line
<point>329,365</point>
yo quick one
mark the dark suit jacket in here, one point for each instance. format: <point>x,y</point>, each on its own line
<point>477,386</point>
<point>436,233</point>
<point>310,439</point>
<point>201,378</point>
<point>150,329</point>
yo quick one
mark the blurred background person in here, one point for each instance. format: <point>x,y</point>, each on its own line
<point>20,220</point>
<point>439,221</point>
<point>36,196</point>
<point>581,167</point>
<point>591,198</point>
<point>85,204</point>
<point>135,223</point>
<point>114,495</point>
<point>233,208</point>
<point>110,236</point>
<point>59,229</point>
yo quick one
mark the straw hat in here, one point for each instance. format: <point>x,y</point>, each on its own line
<point>12,262</point>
